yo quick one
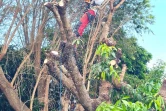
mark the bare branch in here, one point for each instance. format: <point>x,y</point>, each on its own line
<point>54,9</point>
<point>21,65</point>
<point>119,27</point>
<point>119,83</point>
<point>119,4</point>
<point>10,94</point>
<point>46,93</point>
<point>37,82</point>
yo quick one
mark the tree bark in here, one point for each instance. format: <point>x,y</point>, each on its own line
<point>11,94</point>
<point>118,83</point>
<point>70,62</point>
<point>57,73</point>
<point>46,100</point>
<point>37,54</point>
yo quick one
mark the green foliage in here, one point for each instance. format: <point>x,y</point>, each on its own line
<point>138,15</point>
<point>24,82</point>
<point>134,56</point>
<point>122,105</point>
<point>103,70</point>
<point>11,61</point>
<point>105,51</point>
<point>4,104</point>
<point>145,91</point>
<point>77,41</point>
<point>157,71</point>
<point>50,32</point>
<point>9,64</point>
<point>37,105</point>
<point>126,105</point>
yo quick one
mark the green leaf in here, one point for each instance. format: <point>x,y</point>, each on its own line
<point>113,54</point>
<point>125,103</point>
<point>103,76</point>
<point>111,68</point>
<point>155,105</point>
<point>125,97</point>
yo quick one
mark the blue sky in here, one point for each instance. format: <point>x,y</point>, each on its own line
<point>156,44</point>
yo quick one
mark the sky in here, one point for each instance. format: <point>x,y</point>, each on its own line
<point>156,44</point>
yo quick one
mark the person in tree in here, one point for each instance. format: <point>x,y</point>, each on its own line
<point>88,16</point>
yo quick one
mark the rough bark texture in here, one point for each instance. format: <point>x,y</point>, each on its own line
<point>11,94</point>
<point>65,102</point>
<point>46,93</point>
<point>55,72</point>
<point>75,81</point>
<point>118,83</point>
<point>106,27</point>
<point>37,59</point>
<point>79,108</point>
<point>84,98</point>
<point>104,90</point>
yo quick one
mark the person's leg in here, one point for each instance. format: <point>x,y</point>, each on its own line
<point>81,25</point>
<point>85,19</point>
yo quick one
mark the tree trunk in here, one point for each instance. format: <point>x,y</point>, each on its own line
<point>37,59</point>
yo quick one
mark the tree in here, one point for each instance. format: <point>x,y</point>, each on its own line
<point>32,24</point>
<point>135,57</point>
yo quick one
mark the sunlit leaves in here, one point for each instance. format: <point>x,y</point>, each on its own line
<point>126,105</point>
<point>122,105</point>
<point>105,50</point>
<point>103,69</point>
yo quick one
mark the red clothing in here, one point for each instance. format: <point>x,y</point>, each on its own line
<point>84,20</point>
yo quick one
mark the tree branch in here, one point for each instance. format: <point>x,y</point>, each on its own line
<point>10,94</point>
<point>34,90</point>
<point>21,65</point>
<point>55,72</point>
<point>119,4</point>
<point>119,83</point>
<point>70,64</point>
<point>54,9</point>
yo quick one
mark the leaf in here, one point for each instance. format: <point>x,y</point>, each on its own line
<point>155,105</point>
<point>111,68</point>
<point>125,103</point>
<point>126,97</point>
<point>103,75</point>
<point>118,103</point>
<point>149,88</point>
<point>78,42</point>
<point>113,54</point>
